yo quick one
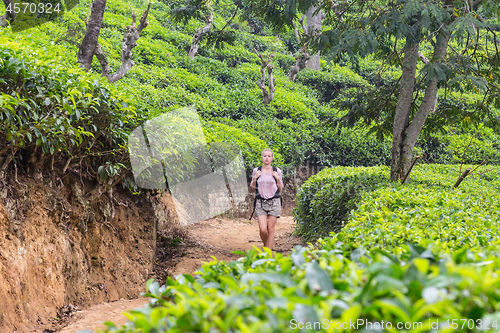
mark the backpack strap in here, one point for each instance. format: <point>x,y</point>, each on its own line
<point>257,185</point>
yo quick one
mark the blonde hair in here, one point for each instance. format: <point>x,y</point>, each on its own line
<point>267,149</point>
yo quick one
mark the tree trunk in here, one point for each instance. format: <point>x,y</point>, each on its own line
<point>405,134</point>
<point>403,107</point>
<point>313,27</point>
<point>266,64</point>
<point>89,42</point>
<point>199,34</point>
<point>300,64</point>
<point>303,57</point>
<point>129,41</point>
<point>9,16</point>
<point>427,105</point>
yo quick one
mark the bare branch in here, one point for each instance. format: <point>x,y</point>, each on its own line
<point>300,64</point>
<point>409,170</point>
<point>266,64</point>
<point>128,43</point>
<point>199,34</point>
<point>295,31</point>
<point>230,20</point>
<point>303,24</point>
<point>461,178</point>
<point>105,69</point>
<point>423,58</point>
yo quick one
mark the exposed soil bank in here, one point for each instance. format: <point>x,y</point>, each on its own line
<point>62,242</point>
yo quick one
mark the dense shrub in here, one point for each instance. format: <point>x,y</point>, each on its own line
<point>458,145</point>
<point>329,83</point>
<point>221,84</point>
<point>251,147</point>
<point>48,108</point>
<point>326,199</point>
<point>294,141</point>
<point>351,147</point>
<point>429,213</point>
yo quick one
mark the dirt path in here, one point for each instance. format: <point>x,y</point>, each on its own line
<point>182,252</point>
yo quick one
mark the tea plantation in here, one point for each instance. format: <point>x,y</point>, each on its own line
<point>301,123</point>
<point>418,257</point>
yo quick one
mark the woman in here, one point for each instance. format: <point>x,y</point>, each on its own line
<point>269,184</point>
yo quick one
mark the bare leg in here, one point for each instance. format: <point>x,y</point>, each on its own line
<point>271,223</point>
<point>263,228</point>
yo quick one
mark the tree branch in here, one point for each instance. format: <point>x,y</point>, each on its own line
<point>300,64</point>
<point>423,58</point>
<point>199,34</point>
<point>229,22</point>
<point>461,178</point>
<point>295,31</point>
<point>128,43</point>
<point>303,24</point>
<point>268,95</point>
<point>303,57</point>
<point>105,69</point>
<point>409,170</point>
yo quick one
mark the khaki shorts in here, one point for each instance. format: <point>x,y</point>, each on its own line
<point>269,207</point>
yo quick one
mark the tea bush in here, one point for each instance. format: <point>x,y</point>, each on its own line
<point>221,84</point>
<point>47,108</point>
<point>329,83</point>
<point>351,147</point>
<point>472,145</point>
<point>251,146</point>
<point>429,213</point>
<point>58,110</point>
<point>325,200</point>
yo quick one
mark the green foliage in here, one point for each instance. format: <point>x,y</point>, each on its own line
<point>326,199</point>
<point>53,108</point>
<point>464,146</point>
<point>351,147</point>
<point>429,213</point>
<point>331,82</point>
<point>220,83</point>
<point>251,146</point>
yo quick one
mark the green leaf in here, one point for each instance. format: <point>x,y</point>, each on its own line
<point>102,172</point>
<point>317,278</point>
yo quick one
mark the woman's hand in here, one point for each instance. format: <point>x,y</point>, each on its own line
<point>275,175</point>
<point>257,174</point>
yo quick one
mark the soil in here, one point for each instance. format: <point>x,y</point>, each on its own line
<point>183,251</point>
<point>64,245</point>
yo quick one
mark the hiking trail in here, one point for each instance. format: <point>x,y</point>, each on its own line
<point>183,252</point>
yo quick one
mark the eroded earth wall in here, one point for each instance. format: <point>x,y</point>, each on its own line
<point>62,242</point>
